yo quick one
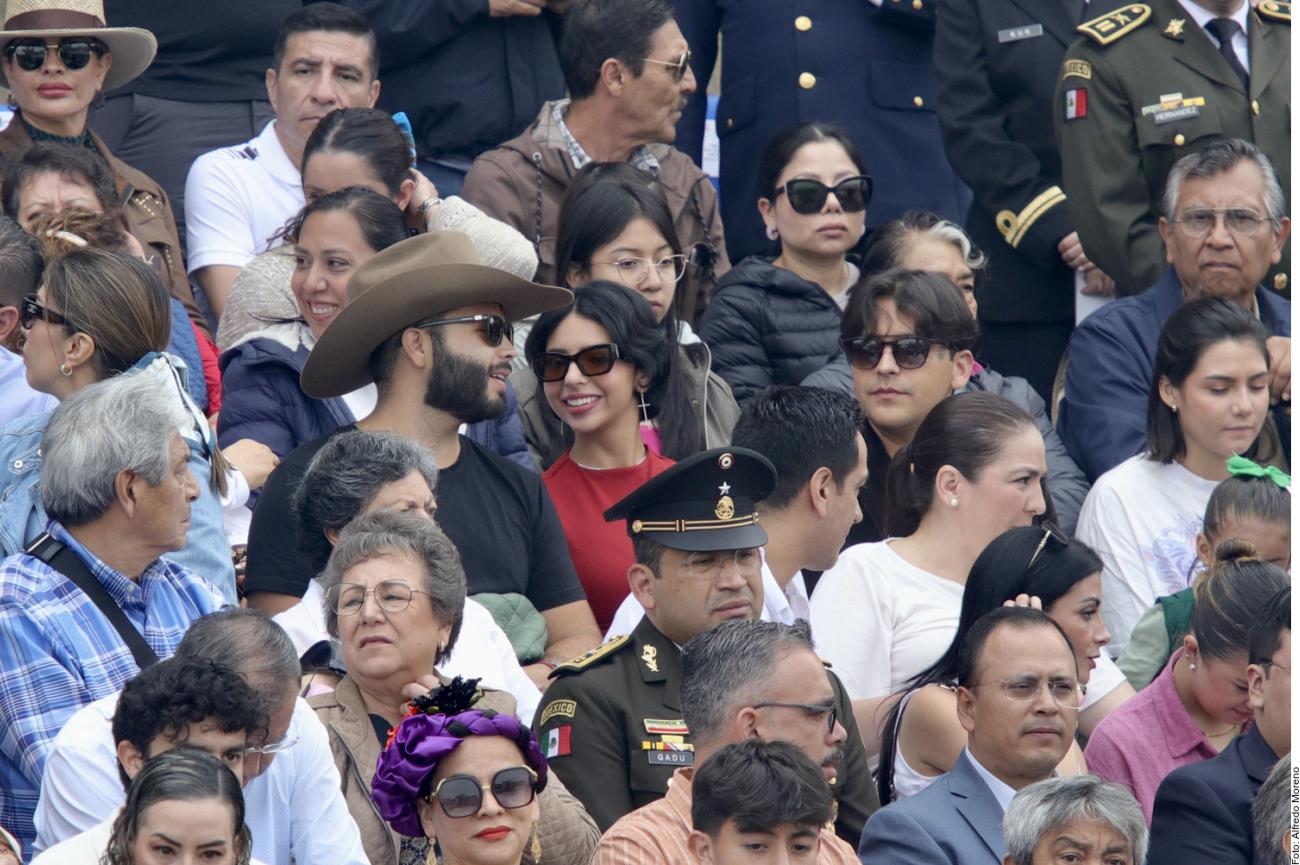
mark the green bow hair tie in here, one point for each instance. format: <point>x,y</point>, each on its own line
<point>1240,466</point>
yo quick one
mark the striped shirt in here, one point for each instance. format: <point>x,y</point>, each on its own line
<point>656,833</point>
<point>59,653</point>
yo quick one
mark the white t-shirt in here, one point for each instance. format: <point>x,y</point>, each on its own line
<point>880,620</point>
<point>482,650</point>
<point>237,199</point>
<point>1142,518</point>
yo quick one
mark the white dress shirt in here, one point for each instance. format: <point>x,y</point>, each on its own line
<point>1000,790</point>
<point>295,809</point>
<point>1240,42</point>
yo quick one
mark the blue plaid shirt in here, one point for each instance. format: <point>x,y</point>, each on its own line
<point>58,653</point>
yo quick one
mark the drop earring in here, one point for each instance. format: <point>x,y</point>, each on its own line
<point>644,406</point>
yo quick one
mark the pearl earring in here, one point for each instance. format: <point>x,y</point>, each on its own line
<point>952,502</point>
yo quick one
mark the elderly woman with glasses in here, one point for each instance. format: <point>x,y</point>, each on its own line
<point>465,776</point>
<point>1081,819</point>
<point>395,599</point>
<point>58,57</point>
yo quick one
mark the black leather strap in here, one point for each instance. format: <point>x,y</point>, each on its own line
<point>54,553</point>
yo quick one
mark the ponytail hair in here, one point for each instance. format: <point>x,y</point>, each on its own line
<point>966,431</point>
<point>1245,497</point>
<point>1229,595</point>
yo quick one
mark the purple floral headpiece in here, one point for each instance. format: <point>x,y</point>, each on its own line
<point>434,726</point>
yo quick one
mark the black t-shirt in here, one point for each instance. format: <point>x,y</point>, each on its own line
<point>498,515</point>
<point>207,52</point>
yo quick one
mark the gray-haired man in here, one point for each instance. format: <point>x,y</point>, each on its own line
<point>117,489</point>
<point>741,680</point>
<point>1084,817</point>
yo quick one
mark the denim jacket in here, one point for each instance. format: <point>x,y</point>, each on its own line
<point>22,515</point>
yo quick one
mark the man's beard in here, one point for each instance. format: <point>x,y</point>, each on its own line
<point>458,386</point>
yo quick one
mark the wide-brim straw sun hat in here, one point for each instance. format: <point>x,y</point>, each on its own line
<point>412,280</point>
<point>132,48</point>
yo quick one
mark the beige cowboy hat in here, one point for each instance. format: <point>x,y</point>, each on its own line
<point>415,279</point>
<point>132,48</point>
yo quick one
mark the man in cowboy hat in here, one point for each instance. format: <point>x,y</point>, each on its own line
<point>611,721</point>
<point>429,324</point>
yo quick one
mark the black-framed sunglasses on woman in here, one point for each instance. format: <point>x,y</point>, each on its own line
<point>910,352</point>
<point>462,795</point>
<point>809,196</point>
<point>592,361</point>
<point>74,52</point>
<point>30,310</point>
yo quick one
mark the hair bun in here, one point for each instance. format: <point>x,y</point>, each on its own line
<point>1235,550</point>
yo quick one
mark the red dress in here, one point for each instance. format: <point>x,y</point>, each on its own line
<point>601,551</point>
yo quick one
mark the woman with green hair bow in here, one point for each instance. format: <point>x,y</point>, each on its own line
<point>1253,504</point>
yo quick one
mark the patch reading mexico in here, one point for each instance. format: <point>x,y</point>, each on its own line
<point>1077,68</point>
<point>558,709</point>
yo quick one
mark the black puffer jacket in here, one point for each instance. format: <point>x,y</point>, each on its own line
<point>767,326</point>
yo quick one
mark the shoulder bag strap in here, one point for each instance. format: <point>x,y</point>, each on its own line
<point>54,553</point>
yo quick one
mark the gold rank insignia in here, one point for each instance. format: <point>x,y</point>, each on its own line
<point>1275,10</point>
<point>1122,21</point>
<point>1175,28</point>
<point>648,656</point>
<point>586,659</point>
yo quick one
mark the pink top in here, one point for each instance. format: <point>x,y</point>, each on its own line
<point>1145,739</point>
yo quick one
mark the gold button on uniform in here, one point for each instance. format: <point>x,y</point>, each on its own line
<point>918,101</point>
<point>1254,106</point>
<point>1279,282</point>
<point>807,81</point>
<point>1180,139</point>
<point>803,22</point>
<point>917,5</point>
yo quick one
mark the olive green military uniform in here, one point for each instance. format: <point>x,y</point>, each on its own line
<point>611,726</point>
<point>1144,86</point>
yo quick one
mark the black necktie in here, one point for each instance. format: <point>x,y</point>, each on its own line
<point>1224,29</point>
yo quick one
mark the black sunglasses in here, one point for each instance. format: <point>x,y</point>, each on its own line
<point>73,53</point>
<point>495,328</point>
<point>592,361</point>
<point>462,795</point>
<point>30,310</point>
<point>910,352</point>
<point>809,196</point>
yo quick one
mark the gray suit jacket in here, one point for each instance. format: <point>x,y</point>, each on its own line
<point>954,821</point>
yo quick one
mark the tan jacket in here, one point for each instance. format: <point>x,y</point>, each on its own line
<point>148,213</point>
<point>523,182</point>
<point>567,833</point>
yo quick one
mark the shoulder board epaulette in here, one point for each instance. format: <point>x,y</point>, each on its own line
<point>1113,25</point>
<point>1274,10</point>
<point>586,659</point>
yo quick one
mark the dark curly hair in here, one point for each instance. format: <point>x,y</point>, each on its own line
<point>172,694</point>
